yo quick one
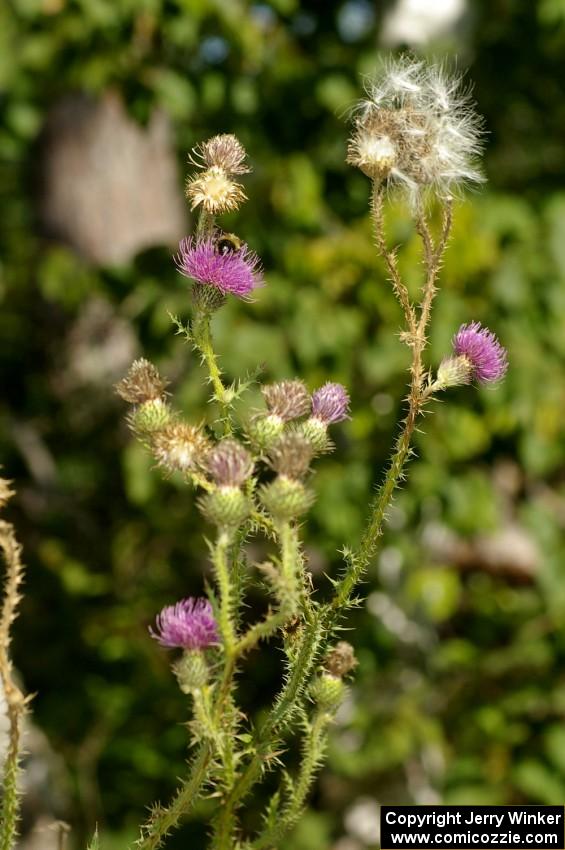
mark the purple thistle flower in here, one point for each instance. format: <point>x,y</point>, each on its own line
<point>487,357</point>
<point>189,624</point>
<point>331,403</point>
<point>237,272</point>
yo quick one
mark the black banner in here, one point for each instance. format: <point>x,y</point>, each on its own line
<point>467,827</point>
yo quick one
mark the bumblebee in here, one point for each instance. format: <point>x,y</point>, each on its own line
<point>227,243</point>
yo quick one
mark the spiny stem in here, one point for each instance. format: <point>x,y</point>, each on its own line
<point>202,335</point>
<point>223,578</point>
<point>163,820</point>
<point>15,701</point>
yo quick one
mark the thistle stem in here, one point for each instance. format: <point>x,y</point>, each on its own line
<point>202,335</point>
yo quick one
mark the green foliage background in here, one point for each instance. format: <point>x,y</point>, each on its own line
<point>460,695</point>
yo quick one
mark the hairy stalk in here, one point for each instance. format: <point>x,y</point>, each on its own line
<point>202,336</point>
<point>279,720</point>
<point>162,821</point>
<point>418,393</point>
<point>398,285</point>
<point>313,750</point>
<point>15,701</point>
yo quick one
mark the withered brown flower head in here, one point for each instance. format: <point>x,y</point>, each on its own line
<point>142,383</point>
<point>180,447</point>
<point>287,399</point>
<point>341,659</point>
<point>224,151</point>
<point>291,455</point>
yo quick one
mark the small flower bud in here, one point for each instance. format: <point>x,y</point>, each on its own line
<point>179,447</point>
<point>291,455</point>
<point>229,464</point>
<point>341,659</point>
<point>264,431</point>
<point>287,399</point>
<point>225,507</point>
<point>191,671</point>
<point>327,691</point>
<point>285,498</point>
<point>149,417</point>
<point>142,383</point>
<point>316,432</point>
<point>215,191</point>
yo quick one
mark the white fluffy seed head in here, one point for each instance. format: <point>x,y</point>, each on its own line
<point>417,130</point>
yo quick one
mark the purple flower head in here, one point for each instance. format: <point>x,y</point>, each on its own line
<point>330,403</point>
<point>482,349</point>
<point>189,624</point>
<point>236,272</point>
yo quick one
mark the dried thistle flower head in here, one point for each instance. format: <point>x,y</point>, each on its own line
<point>287,399</point>
<point>291,455</point>
<point>215,191</point>
<point>229,464</point>
<point>224,151</point>
<point>417,129</point>
<point>6,492</point>
<point>180,447</point>
<point>341,659</point>
<point>142,383</point>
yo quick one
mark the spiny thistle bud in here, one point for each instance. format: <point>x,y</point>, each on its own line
<point>234,272</point>
<point>189,624</point>
<point>149,417</point>
<point>327,691</point>
<point>287,399</point>
<point>341,659</point>
<point>179,447</point>
<point>229,464</point>
<point>224,151</point>
<point>225,507</point>
<point>215,191</point>
<point>142,383</point>
<point>291,455</point>
<point>416,129</point>
<point>264,431</point>
<point>330,404</point>
<point>191,671</point>
<point>285,498</point>
<point>6,492</point>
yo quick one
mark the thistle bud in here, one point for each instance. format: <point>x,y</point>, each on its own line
<point>285,498</point>
<point>191,671</point>
<point>287,399</point>
<point>225,507</point>
<point>229,464</point>
<point>179,447</point>
<point>264,431</point>
<point>149,417</point>
<point>291,455</point>
<point>327,691</point>
<point>341,659</point>
<point>142,383</point>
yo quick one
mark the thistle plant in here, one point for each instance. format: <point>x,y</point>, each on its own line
<point>415,135</point>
